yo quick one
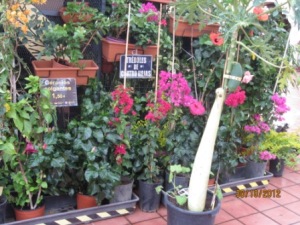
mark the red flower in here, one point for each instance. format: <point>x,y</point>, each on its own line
<point>260,14</point>
<point>120,149</point>
<point>216,39</point>
<point>163,22</point>
<point>236,98</point>
<point>30,148</point>
<point>124,102</point>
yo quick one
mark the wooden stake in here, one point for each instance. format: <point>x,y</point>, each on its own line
<point>157,53</point>
<point>126,49</point>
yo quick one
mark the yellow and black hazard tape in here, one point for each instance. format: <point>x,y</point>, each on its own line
<point>231,189</point>
<point>73,219</point>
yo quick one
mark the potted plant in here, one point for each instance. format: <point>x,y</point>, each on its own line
<point>285,146</point>
<point>28,121</point>
<point>75,11</point>
<point>91,139</point>
<point>190,22</point>
<point>143,30</point>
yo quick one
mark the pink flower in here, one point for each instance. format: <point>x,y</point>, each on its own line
<point>30,148</point>
<point>149,8</point>
<point>44,146</point>
<point>236,98</point>
<point>196,108</point>
<point>247,77</point>
<point>163,22</point>
<point>265,155</point>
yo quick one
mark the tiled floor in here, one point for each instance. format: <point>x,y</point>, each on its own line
<point>239,211</point>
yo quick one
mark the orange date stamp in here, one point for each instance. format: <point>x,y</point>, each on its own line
<point>259,193</point>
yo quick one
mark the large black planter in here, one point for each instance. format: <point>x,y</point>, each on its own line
<point>149,199</point>
<point>179,216</point>
<point>3,202</point>
<point>276,167</point>
<point>255,169</point>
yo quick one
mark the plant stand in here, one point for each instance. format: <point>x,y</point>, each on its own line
<point>81,216</point>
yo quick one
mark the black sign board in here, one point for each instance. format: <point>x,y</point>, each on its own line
<point>138,66</point>
<point>63,91</point>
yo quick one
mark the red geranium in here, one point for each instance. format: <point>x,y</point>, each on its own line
<point>236,98</point>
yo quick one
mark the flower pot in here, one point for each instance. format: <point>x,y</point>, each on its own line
<point>179,216</point>
<point>182,180</point>
<point>3,203</point>
<point>149,199</point>
<point>123,192</point>
<point>113,48</point>
<point>211,182</point>
<point>276,167</point>
<point>85,201</point>
<point>255,169</point>
<point>106,67</point>
<point>82,71</point>
<point>184,29</point>
<point>74,17</point>
<point>21,214</point>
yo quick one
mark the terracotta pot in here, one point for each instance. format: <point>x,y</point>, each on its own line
<point>51,69</point>
<point>106,67</point>
<point>184,29</point>
<point>74,17</point>
<point>85,201</point>
<point>211,182</point>
<point>29,214</point>
<point>112,49</point>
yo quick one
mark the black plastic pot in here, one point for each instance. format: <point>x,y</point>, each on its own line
<point>3,202</point>
<point>149,199</point>
<point>276,167</point>
<point>179,216</point>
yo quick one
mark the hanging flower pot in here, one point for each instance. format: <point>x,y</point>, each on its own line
<point>51,69</point>
<point>73,16</point>
<point>184,29</point>
<point>85,201</point>
<point>113,48</point>
<point>21,214</point>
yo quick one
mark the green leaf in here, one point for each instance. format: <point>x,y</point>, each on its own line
<point>181,200</point>
<point>87,133</point>
<point>44,185</point>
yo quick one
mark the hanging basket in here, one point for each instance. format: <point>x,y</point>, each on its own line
<point>113,48</point>
<point>184,29</point>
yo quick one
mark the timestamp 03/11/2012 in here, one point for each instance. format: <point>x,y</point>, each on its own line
<point>259,193</point>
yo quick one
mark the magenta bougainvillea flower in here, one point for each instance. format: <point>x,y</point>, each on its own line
<point>266,155</point>
<point>280,106</point>
<point>149,8</point>
<point>236,98</point>
<point>158,110</point>
<point>259,126</point>
<point>216,39</point>
<point>176,88</point>
<point>29,149</point>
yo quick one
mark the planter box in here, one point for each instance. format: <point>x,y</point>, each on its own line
<point>240,183</point>
<point>80,216</point>
<point>184,29</point>
<point>52,69</point>
<point>113,49</point>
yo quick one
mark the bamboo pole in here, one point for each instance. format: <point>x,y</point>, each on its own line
<point>126,49</point>
<point>157,54</point>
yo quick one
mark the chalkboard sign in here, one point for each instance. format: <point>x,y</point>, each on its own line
<point>138,66</point>
<point>63,91</point>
